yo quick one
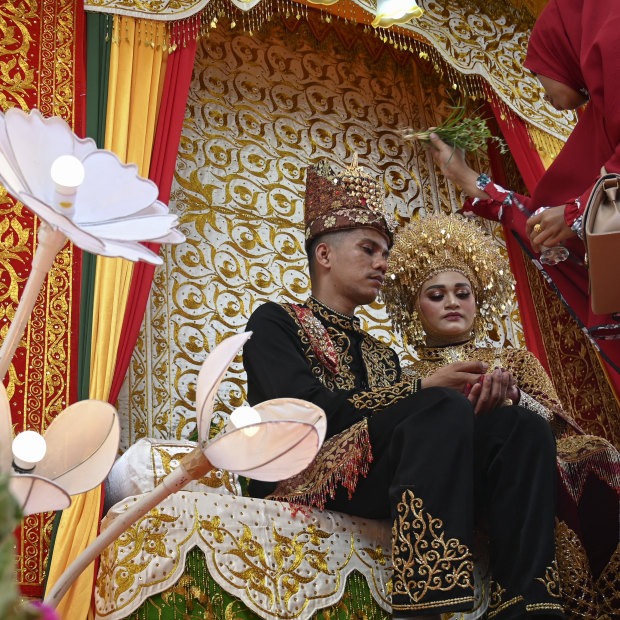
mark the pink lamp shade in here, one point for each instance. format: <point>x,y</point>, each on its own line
<point>285,441</point>
<point>282,444</point>
<point>35,494</point>
<point>82,445</point>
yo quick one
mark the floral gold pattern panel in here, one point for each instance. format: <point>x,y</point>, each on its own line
<point>576,372</point>
<point>489,45</point>
<point>260,110</point>
<point>279,565</point>
<point>37,70</point>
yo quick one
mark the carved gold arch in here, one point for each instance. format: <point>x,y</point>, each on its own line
<point>477,41</point>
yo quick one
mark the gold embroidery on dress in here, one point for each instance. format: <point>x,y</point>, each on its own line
<point>579,594</point>
<point>608,584</point>
<point>496,602</point>
<point>344,380</point>
<point>424,561</point>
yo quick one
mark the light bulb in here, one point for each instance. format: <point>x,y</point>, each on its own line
<point>390,12</point>
<point>28,449</point>
<point>245,416</point>
<point>68,174</point>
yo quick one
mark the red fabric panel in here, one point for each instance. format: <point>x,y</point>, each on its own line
<point>517,138</point>
<point>165,148</point>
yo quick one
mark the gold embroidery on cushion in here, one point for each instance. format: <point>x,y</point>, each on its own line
<point>424,561</point>
<point>341,460</point>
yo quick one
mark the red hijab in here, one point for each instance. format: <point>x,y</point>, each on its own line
<point>577,42</point>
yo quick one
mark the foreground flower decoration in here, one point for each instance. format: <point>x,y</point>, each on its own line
<point>80,192</point>
<point>276,440</point>
<point>78,449</point>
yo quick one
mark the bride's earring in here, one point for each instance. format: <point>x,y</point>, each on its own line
<point>415,333</point>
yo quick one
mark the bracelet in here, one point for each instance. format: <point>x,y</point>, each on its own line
<point>577,227</point>
<point>416,386</point>
<point>482,181</point>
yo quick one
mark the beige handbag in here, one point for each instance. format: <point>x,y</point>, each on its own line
<point>601,225</point>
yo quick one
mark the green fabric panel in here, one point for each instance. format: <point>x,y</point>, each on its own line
<point>197,597</point>
<point>98,40</point>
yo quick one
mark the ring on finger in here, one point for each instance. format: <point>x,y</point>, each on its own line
<point>537,228</point>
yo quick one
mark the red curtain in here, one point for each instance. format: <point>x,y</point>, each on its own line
<point>165,148</point>
<point>532,169</point>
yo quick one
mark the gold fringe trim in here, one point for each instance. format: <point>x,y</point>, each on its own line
<point>341,461</point>
<point>548,146</point>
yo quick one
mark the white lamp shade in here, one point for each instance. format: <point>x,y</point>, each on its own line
<point>87,194</point>
<point>288,437</point>
<point>209,378</point>
<point>390,12</point>
<point>35,494</point>
<point>82,445</point>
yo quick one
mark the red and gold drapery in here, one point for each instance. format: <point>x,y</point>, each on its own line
<point>41,56</point>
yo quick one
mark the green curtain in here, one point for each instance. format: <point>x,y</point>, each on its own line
<point>98,38</point>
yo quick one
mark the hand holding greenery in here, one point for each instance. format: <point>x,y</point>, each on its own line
<point>469,134</point>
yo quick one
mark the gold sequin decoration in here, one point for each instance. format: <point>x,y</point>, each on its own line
<point>420,549</point>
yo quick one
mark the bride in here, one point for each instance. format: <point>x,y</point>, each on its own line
<point>447,283</point>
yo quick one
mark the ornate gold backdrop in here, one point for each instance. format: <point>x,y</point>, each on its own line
<point>260,110</point>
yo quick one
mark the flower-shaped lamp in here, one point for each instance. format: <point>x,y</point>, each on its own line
<point>391,12</point>
<point>74,455</point>
<point>80,192</point>
<point>280,439</point>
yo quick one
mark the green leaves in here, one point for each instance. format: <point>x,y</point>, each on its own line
<point>466,133</point>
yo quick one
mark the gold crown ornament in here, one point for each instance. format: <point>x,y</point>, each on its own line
<point>339,201</point>
<point>429,245</point>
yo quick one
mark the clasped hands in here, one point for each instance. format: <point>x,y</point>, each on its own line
<point>484,391</point>
<point>545,229</point>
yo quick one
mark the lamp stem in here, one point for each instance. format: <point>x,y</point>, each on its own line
<point>50,241</point>
<point>193,466</point>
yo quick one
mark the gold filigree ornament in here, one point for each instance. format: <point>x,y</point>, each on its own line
<point>421,549</point>
<point>429,245</point>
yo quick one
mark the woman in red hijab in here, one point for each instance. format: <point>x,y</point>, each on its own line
<point>574,50</point>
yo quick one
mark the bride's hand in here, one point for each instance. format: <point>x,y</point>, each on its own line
<point>456,376</point>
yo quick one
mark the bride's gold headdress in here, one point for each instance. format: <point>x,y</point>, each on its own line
<point>435,243</point>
